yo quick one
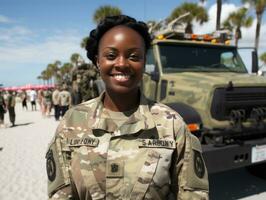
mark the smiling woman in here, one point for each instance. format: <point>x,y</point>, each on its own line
<point>121,60</point>
<point>122,145</point>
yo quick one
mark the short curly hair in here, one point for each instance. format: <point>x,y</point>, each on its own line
<point>110,22</point>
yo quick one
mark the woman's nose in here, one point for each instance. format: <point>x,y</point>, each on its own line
<point>121,62</point>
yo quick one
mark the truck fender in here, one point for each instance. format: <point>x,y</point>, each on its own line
<point>189,114</point>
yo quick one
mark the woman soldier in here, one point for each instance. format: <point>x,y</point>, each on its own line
<point>122,145</point>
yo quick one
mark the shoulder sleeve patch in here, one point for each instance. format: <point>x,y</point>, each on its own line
<point>194,172</point>
<point>50,166</point>
<point>56,168</point>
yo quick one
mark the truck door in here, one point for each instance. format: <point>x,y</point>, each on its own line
<point>150,76</point>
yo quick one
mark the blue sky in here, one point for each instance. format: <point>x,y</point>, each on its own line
<point>34,33</point>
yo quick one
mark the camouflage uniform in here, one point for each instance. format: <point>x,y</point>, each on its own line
<point>83,78</point>
<point>144,154</point>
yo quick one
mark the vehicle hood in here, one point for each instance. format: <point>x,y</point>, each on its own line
<point>214,80</point>
<point>196,89</point>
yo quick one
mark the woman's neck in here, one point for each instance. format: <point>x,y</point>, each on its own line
<point>121,102</point>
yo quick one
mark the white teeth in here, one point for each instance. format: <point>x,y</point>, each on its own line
<point>121,77</point>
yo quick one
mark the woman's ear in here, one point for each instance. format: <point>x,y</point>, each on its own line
<point>97,61</point>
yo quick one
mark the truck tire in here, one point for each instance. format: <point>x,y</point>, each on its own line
<point>258,170</point>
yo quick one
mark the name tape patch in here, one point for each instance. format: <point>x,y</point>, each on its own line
<point>86,141</point>
<point>157,143</point>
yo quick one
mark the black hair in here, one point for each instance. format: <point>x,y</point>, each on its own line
<point>110,22</point>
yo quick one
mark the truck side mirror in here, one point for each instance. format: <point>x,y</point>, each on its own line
<point>255,61</point>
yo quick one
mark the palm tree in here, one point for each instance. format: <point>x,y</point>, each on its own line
<point>76,59</point>
<point>45,76</point>
<point>39,78</point>
<point>53,69</point>
<point>66,68</point>
<point>259,6</point>
<point>236,20</point>
<point>219,4</point>
<point>197,13</point>
<point>104,11</point>
<point>65,71</point>
<point>84,42</point>
<point>218,14</point>
<point>56,72</point>
<point>100,14</point>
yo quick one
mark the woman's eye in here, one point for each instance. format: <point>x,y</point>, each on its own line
<point>134,57</point>
<point>110,56</point>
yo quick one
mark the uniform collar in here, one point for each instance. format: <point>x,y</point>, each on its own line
<point>141,119</point>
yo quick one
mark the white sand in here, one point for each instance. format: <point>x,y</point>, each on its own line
<point>22,159</point>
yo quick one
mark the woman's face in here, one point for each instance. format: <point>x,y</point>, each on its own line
<point>121,58</point>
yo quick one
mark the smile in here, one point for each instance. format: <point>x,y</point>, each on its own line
<point>121,77</point>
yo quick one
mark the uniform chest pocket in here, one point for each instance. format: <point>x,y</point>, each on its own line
<point>155,173</point>
<point>87,167</point>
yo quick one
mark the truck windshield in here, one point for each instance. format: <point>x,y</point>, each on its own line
<point>196,58</point>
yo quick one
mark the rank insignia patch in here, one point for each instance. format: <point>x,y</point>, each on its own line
<point>50,166</point>
<point>199,167</point>
<point>115,169</point>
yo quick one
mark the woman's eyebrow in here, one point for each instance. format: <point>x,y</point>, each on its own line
<point>115,49</point>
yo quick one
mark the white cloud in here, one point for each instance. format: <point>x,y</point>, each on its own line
<point>4,19</point>
<point>211,24</point>
<point>15,34</point>
<point>248,34</point>
<point>54,47</point>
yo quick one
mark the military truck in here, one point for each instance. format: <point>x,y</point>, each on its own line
<point>205,80</point>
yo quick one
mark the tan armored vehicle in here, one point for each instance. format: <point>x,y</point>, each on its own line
<point>204,79</point>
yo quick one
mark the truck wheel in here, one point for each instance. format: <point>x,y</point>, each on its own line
<point>257,170</point>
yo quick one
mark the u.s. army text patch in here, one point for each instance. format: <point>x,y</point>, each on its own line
<point>157,143</point>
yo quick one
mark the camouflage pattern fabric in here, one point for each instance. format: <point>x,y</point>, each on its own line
<point>149,155</point>
<point>196,89</point>
<point>83,78</point>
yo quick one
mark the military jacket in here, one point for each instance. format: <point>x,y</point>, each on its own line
<point>150,155</point>
<point>64,98</point>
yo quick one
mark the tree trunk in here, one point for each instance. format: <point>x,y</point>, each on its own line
<point>218,16</point>
<point>238,35</point>
<point>189,28</point>
<point>259,18</point>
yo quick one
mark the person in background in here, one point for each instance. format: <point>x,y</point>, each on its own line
<point>33,97</point>
<point>76,94</point>
<point>40,99</point>
<point>24,98</point>
<point>2,109</point>
<point>64,100</point>
<point>122,145</point>
<point>11,102</point>
<point>47,102</point>
<point>55,98</point>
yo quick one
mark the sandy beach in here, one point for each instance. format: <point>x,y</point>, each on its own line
<point>22,168</point>
<point>23,171</point>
